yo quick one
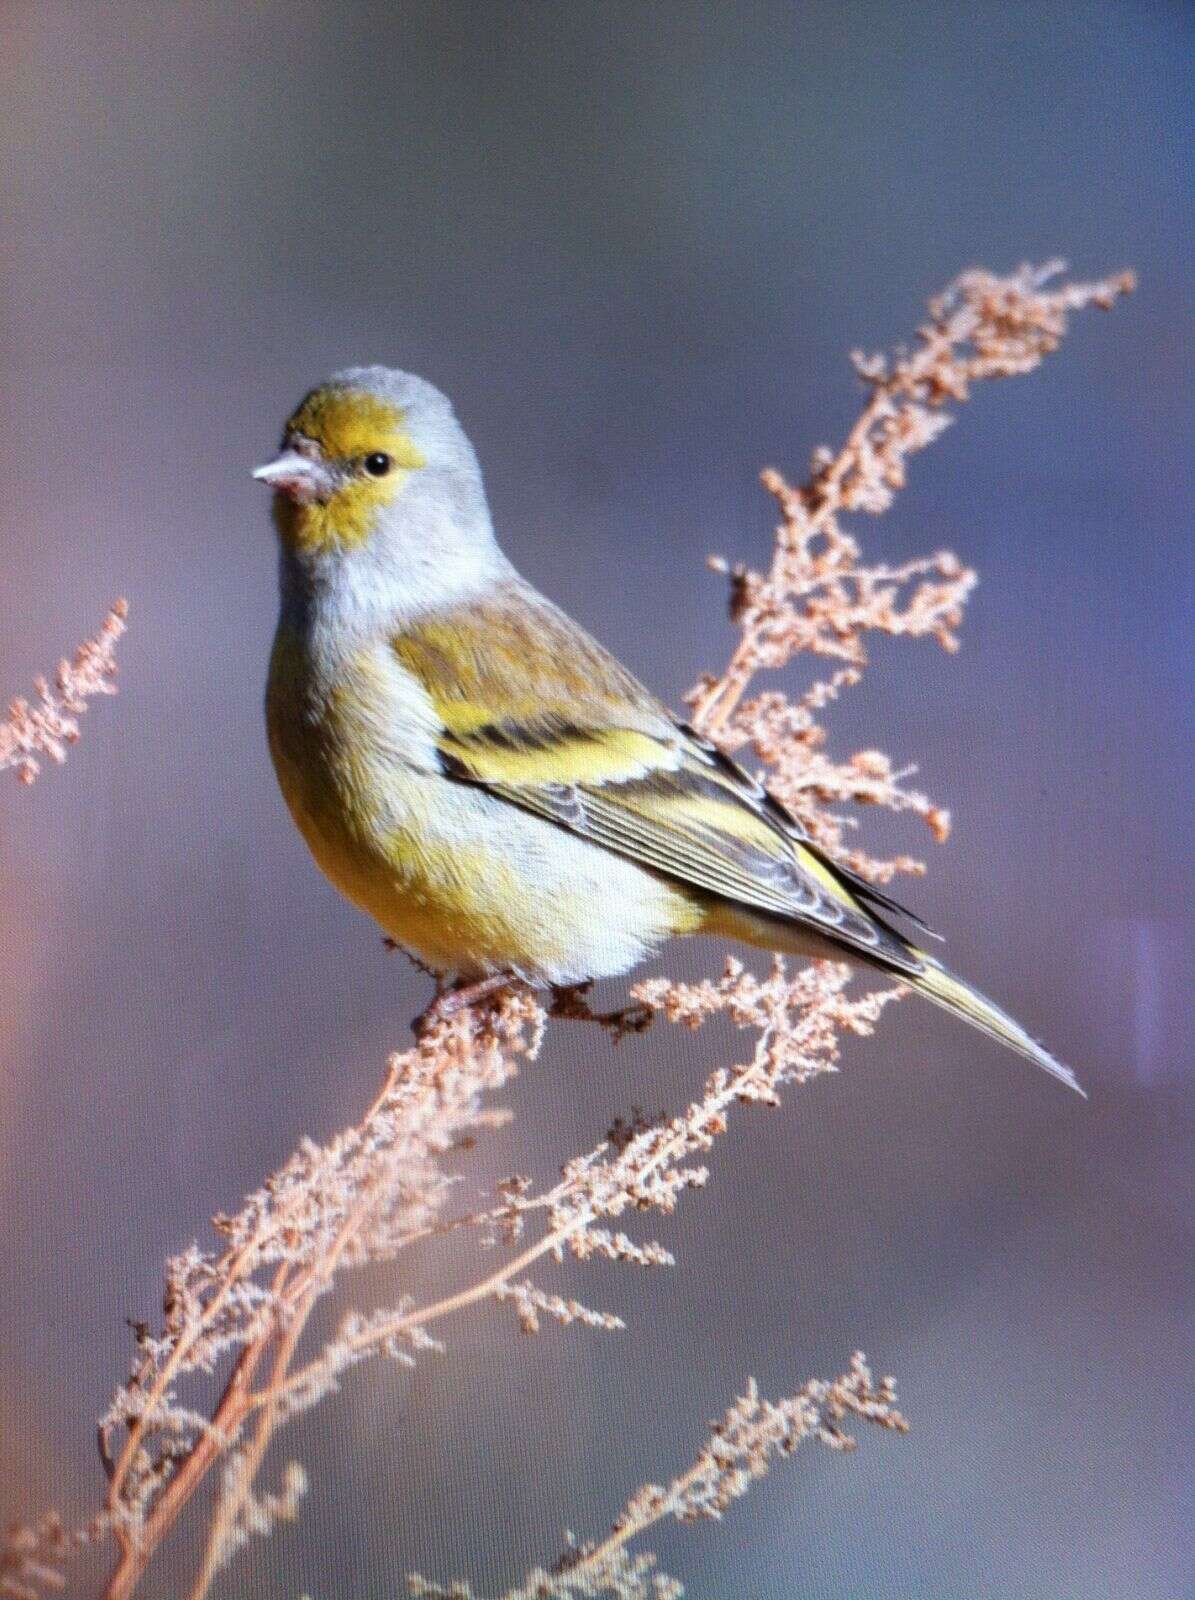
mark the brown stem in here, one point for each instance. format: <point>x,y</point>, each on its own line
<point>806,514</point>
<point>631,1529</point>
<point>229,1506</point>
<point>402,1322</point>
<point>304,1294</point>
<point>230,1413</point>
<point>235,1404</point>
<point>236,1268</point>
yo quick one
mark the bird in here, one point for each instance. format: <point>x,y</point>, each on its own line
<point>477,773</point>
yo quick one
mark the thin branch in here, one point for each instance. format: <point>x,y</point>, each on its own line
<point>50,725</point>
<point>738,1452</point>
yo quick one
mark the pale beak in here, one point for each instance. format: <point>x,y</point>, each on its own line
<point>298,476</point>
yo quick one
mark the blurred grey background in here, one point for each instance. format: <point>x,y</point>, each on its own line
<point>635,242</point>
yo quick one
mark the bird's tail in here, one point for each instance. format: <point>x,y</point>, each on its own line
<point>952,994</point>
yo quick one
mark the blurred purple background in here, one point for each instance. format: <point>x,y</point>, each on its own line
<point>635,243</point>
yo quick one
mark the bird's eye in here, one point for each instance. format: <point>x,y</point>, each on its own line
<point>378,464</point>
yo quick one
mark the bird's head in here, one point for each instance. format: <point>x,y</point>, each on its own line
<point>376,474</point>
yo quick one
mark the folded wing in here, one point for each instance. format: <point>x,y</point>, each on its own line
<point>540,716</point>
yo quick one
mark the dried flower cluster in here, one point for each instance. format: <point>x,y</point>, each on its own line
<point>244,1308</point>
<point>32,1558</point>
<point>739,1450</point>
<point>49,726</point>
<point>379,1187</point>
<point>819,599</point>
<point>362,1197</point>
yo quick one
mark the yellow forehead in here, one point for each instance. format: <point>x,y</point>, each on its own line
<point>351,422</point>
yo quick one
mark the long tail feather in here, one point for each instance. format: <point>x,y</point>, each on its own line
<point>953,995</point>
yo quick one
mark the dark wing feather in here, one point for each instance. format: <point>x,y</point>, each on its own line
<point>863,888</point>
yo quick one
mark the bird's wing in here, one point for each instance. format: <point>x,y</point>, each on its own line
<point>538,714</point>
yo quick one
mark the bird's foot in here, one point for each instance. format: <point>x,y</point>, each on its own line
<point>462,997</point>
<point>570,1003</point>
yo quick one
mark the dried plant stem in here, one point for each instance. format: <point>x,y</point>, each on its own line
<point>714,705</point>
<point>230,1506</point>
<point>486,1289</point>
<point>230,1269</point>
<point>741,1448</point>
<point>981,327</point>
<point>738,1450</point>
<point>49,726</point>
<point>136,1551</point>
<point>269,1399</point>
<point>236,1402</point>
<point>572,1211</point>
<point>240,1400</point>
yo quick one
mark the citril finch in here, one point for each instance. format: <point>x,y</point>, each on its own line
<point>467,765</point>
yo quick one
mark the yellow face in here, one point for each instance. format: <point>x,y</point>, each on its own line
<point>366,453</point>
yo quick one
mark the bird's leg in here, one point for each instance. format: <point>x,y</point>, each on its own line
<point>569,1003</point>
<point>448,1002</point>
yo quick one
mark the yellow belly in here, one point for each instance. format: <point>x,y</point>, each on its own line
<point>450,902</point>
<point>469,883</point>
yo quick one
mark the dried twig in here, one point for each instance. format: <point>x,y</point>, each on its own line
<point>739,1451</point>
<point>47,727</point>
<point>818,598</point>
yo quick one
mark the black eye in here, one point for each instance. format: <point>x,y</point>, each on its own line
<point>378,464</point>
